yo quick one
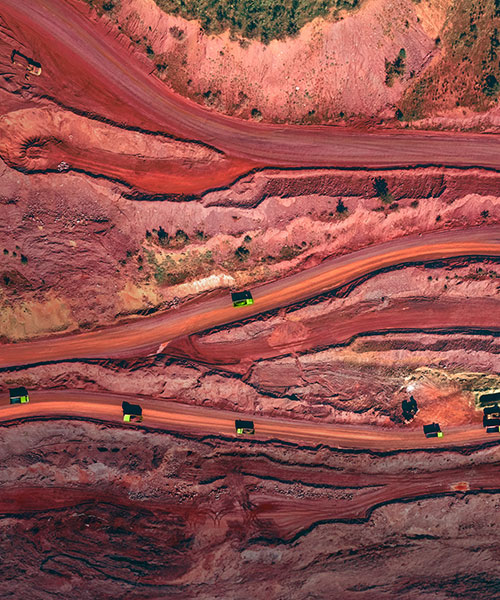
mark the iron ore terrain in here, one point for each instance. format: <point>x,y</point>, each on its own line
<point>340,160</point>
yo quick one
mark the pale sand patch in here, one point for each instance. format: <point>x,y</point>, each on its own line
<point>220,280</point>
<point>135,297</point>
<point>432,15</point>
<point>30,319</point>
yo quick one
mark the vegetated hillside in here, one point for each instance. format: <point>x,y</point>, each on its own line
<point>260,19</point>
<point>468,73</point>
<point>387,62</point>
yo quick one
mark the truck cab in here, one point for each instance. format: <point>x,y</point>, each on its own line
<point>19,395</point>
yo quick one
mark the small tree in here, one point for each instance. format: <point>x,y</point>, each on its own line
<point>341,207</point>
<point>241,253</point>
<point>162,236</point>
<point>382,190</point>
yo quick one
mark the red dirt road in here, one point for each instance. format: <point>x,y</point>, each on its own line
<point>149,335</point>
<point>174,416</point>
<point>339,327</point>
<point>86,68</point>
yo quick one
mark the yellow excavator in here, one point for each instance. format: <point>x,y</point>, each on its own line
<point>32,67</point>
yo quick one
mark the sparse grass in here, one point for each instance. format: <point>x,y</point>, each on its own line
<point>257,19</point>
<point>175,270</point>
<point>289,252</point>
<point>468,73</point>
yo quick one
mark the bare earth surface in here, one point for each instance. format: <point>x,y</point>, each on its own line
<point>127,214</point>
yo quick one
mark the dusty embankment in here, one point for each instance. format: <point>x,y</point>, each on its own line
<point>47,140</point>
<point>154,515</point>
<point>63,232</point>
<point>334,70</point>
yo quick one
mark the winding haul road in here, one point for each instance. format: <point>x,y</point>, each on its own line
<point>149,335</point>
<point>145,335</point>
<point>166,415</point>
<point>87,68</point>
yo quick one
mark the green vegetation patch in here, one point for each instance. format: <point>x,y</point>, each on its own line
<point>172,270</point>
<point>255,19</point>
<point>468,74</point>
<point>382,190</point>
<point>396,68</point>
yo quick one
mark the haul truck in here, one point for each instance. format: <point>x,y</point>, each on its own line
<point>19,395</point>
<point>131,412</point>
<point>242,298</point>
<point>433,430</point>
<point>244,427</point>
<point>491,418</point>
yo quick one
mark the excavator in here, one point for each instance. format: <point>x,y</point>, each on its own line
<point>32,67</point>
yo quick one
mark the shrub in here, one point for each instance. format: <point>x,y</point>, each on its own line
<point>396,68</point>
<point>241,253</point>
<point>162,236</point>
<point>341,207</point>
<point>382,190</point>
<point>181,237</point>
<point>24,259</point>
<point>491,86</point>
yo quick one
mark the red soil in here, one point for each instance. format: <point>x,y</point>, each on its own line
<point>144,516</point>
<point>41,140</point>
<point>143,337</point>
<point>339,327</point>
<point>103,511</point>
<point>123,91</point>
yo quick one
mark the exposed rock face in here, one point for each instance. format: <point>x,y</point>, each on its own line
<point>104,512</point>
<point>80,233</point>
<point>108,216</point>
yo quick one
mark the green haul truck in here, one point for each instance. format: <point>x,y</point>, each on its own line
<point>19,395</point>
<point>242,298</point>
<point>131,412</point>
<point>244,427</point>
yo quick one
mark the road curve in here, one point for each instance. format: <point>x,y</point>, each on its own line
<point>79,54</point>
<point>167,415</point>
<point>148,335</point>
<point>340,326</point>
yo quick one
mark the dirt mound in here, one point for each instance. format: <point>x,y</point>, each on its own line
<point>43,140</point>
